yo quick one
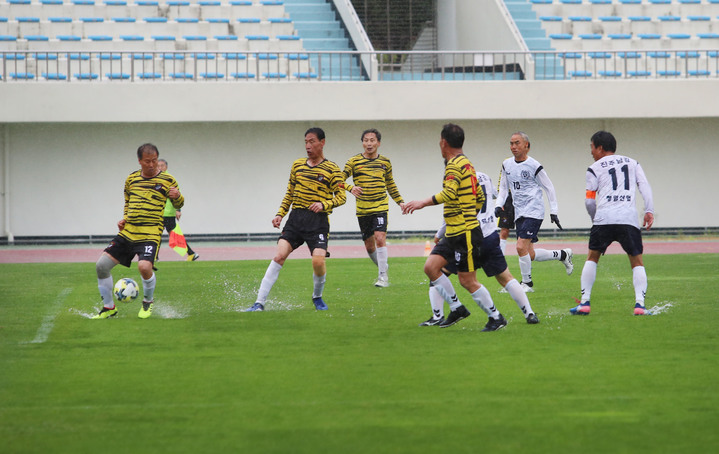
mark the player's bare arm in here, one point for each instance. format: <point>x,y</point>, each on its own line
<point>356,191</point>
<point>411,207</point>
<point>648,220</point>
<point>121,224</point>
<point>276,221</point>
<point>316,207</point>
<point>173,193</point>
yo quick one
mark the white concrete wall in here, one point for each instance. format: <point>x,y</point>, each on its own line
<point>67,148</point>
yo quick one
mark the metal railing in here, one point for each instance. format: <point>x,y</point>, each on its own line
<point>116,67</point>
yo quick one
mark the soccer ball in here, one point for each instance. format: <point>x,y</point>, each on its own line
<point>126,290</point>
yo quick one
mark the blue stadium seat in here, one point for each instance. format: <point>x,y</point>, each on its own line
<point>580,18</point>
<point>218,20</point>
<point>649,36</point>
<point>580,73</point>
<point>305,75</point>
<point>170,56</point>
<point>178,3</point>
<point>27,19</point>
<point>610,18</point>
<point>708,35</point>
<point>699,18</point>
<point>659,54</point>
<point>660,2</point>
<point>241,3</point>
<point>181,76</point>
<point>243,75</point>
<point>279,20</point>
<point>18,2</point>
<point>629,54</point>
<point>274,75</point>
<point>51,2</point>
<point>117,76</point>
<point>80,57</point>
<point>110,57</point>
<point>257,37</point>
<point>639,18</point>
<point>37,38</point>
<point>699,72</point>
<point>630,2</point>
<point>85,76</point>
<point>296,57</point>
<point>264,56</point>
<point>155,20</point>
<point>271,2</point>
<point>14,56</point>
<point>679,35</point>
<point>22,76</point>
<point>8,38</point>
<point>669,73</point>
<point>124,20</point>
<point>132,37</point>
<point>58,20</point>
<point>590,36</point>
<point>669,18</point>
<point>187,20</point>
<point>610,73</point>
<point>550,18</point>
<point>689,54</point>
<point>115,2</point>
<point>209,3</point>
<point>226,37</point>
<point>599,55</point>
<point>542,2</point>
<point>194,38</point>
<point>600,2</point>
<point>163,37</point>
<point>149,75</point>
<point>45,56</point>
<point>69,38</point>
<point>639,73</point>
<point>249,20</point>
<point>54,76</point>
<point>147,3</point>
<point>141,56</point>
<point>234,56</point>
<point>83,2</point>
<point>287,37</point>
<point>619,36</point>
<point>92,19</point>
<point>203,56</point>
<point>100,38</point>
<point>570,55</point>
<point>560,36</point>
<point>212,75</point>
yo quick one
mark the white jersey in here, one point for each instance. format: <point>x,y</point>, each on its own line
<point>487,221</point>
<point>526,180</point>
<point>613,180</point>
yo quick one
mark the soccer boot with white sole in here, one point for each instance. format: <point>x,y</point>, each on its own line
<point>527,287</point>
<point>145,310</point>
<point>105,313</point>
<point>494,325</point>
<point>568,261</point>
<point>382,281</point>
<point>532,319</point>
<point>432,321</point>
<point>456,315</point>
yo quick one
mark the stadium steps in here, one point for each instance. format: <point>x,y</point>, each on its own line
<point>320,30</point>
<point>534,35</point>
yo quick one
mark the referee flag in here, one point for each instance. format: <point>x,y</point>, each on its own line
<point>177,241</point>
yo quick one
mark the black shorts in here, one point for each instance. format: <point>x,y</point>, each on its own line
<point>528,228</point>
<point>305,226</point>
<point>628,236</point>
<point>506,221</point>
<point>375,222</point>
<point>124,250</point>
<point>490,258</point>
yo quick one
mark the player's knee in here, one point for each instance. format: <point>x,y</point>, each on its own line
<point>104,266</point>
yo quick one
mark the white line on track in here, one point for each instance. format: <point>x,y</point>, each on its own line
<point>48,323</point>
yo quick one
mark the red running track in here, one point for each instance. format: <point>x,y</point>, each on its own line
<point>248,251</point>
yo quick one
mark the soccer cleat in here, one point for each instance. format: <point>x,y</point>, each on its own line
<point>432,321</point>
<point>494,325</point>
<point>456,315</point>
<point>320,304</point>
<point>257,307</point>
<point>527,287</point>
<point>145,310</point>
<point>581,309</point>
<point>568,261</point>
<point>532,319</point>
<point>382,281</point>
<point>641,310</point>
<point>193,257</point>
<point>105,313</point>
<point>503,290</point>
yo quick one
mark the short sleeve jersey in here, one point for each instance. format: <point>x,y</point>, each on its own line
<point>460,195</point>
<point>308,184</point>
<point>145,204</point>
<point>485,212</point>
<point>526,191</point>
<point>614,179</point>
<point>375,178</point>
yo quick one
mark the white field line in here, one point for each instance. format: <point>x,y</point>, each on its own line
<point>48,323</point>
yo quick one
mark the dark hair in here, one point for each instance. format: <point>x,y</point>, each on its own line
<point>372,131</point>
<point>605,140</point>
<point>316,131</point>
<point>147,148</point>
<point>453,134</point>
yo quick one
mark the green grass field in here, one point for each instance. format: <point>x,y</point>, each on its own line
<point>201,377</point>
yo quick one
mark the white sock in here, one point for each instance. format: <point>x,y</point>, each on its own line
<point>519,297</point>
<point>543,255</point>
<point>381,253</point>
<point>589,275</point>
<point>148,289</point>
<point>503,246</point>
<point>271,275</point>
<point>437,302</point>
<point>525,267</point>
<point>318,285</point>
<point>105,286</point>
<point>445,288</point>
<point>373,256</point>
<point>484,300</point>
<point>639,275</point>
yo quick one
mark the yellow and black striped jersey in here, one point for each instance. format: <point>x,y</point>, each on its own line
<point>461,196</point>
<point>375,178</point>
<point>307,185</point>
<point>145,204</point>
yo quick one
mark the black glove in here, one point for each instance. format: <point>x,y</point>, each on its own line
<point>498,211</point>
<point>555,220</point>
